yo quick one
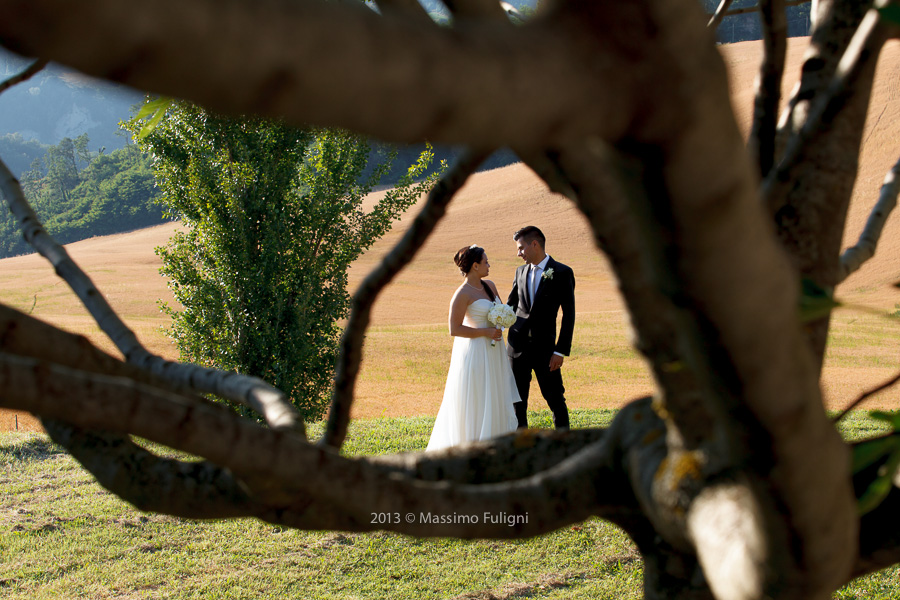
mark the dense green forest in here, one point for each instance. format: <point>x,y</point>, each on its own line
<point>78,193</point>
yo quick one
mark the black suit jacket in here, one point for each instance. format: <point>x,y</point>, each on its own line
<point>539,320</point>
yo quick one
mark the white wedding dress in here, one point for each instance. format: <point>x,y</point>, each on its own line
<point>480,391</point>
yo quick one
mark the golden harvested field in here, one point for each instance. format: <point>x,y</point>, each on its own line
<point>407,349</point>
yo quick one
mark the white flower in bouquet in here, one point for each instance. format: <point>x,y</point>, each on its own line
<point>501,316</point>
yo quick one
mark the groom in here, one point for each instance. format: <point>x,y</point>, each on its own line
<point>541,288</point>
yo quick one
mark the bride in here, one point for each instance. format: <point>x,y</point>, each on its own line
<point>480,391</point>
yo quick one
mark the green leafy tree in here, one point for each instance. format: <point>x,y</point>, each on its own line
<point>62,170</point>
<point>274,217</point>
<point>33,178</point>
<point>80,150</point>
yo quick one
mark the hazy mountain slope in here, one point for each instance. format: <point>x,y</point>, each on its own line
<point>57,103</point>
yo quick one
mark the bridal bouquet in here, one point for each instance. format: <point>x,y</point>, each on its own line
<point>500,316</point>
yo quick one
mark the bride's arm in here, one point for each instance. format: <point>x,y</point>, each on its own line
<point>458,307</point>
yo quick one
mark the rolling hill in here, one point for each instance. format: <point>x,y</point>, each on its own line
<point>408,346</point>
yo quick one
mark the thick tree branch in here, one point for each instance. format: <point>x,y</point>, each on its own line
<point>25,336</point>
<point>772,361</point>
<point>579,486</point>
<point>192,490</point>
<point>32,70</point>
<point>708,274</point>
<point>625,230</point>
<point>728,528</point>
<point>768,84</point>
<point>502,460</point>
<point>861,52</point>
<point>734,558</point>
<point>808,193</point>
<point>853,258</point>
<point>591,75</point>
<point>831,33</point>
<point>650,285</point>
<point>250,391</point>
<point>335,54</point>
<point>364,298</point>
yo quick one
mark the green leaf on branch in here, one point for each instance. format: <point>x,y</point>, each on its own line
<point>815,301</point>
<point>155,110</point>
<point>888,417</point>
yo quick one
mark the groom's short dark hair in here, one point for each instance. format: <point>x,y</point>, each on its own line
<point>529,234</point>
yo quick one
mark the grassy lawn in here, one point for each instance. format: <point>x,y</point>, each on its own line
<point>405,367</point>
<point>62,536</point>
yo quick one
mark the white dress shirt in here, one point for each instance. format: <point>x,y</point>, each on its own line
<point>535,272</point>
<point>534,275</point>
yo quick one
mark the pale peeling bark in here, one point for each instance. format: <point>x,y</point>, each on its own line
<point>728,529</point>
<point>854,257</point>
<point>720,14</point>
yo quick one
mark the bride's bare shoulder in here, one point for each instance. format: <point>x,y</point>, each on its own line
<point>462,295</point>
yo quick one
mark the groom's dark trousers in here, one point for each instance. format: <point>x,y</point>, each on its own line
<point>551,384</point>
<point>533,340</point>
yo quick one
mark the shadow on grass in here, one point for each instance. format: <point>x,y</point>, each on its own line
<point>18,448</point>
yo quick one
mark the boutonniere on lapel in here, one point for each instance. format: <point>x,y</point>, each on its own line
<point>548,274</point>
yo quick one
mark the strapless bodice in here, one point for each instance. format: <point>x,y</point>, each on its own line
<point>476,313</point>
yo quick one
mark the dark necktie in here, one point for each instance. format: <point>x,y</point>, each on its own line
<point>528,285</point>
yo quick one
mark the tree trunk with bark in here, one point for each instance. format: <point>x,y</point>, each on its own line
<point>731,479</point>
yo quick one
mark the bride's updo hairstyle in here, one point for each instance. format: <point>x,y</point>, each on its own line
<point>468,256</point>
